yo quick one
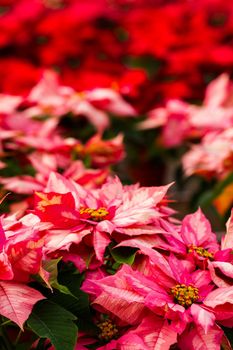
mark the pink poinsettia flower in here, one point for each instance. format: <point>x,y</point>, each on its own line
<point>173,290</point>
<point>19,258</point>
<point>54,99</point>
<point>23,244</point>
<point>227,240</point>
<point>50,97</point>
<point>152,333</point>
<point>219,92</point>
<point>195,241</point>
<point>52,143</point>
<point>79,106</point>
<point>89,178</point>
<point>24,184</point>
<point>9,103</point>
<point>221,269</point>
<point>57,100</point>
<point>191,121</point>
<point>111,101</point>
<point>21,124</point>
<point>192,239</point>
<point>174,116</point>
<point>201,244</point>
<point>44,163</point>
<point>195,338</point>
<point>95,103</point>
<point>14,125</point>
<point>212,157</point>
<point>218,103</point>
<point>111,212</point>
<point>196,232</point>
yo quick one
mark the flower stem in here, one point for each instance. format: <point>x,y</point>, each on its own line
<point>5,322</point>
<point>18,337</point>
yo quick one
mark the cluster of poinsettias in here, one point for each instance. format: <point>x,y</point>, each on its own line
<point>204,133</point>
<point>116,42</point>
<point>142,279</point>
<point>45,131</point>
<point>210,123</point>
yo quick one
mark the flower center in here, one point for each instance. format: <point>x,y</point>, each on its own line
<point>185,295</point>
<point>107,330</point>
<point>200,251</point>
<point>94,214</point>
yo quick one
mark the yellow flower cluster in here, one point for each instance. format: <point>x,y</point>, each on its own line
<point>95,214</point>
<point>108,330</point>
<point>200,251</point>
<point>185,295</point>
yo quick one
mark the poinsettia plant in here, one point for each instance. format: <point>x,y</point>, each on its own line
<point>201,146</point>
<point>92,253</point>
<point>108,267</point>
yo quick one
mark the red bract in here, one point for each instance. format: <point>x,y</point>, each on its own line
<point>143,31</point>
<point>13,83</point>
<point>97,39</point>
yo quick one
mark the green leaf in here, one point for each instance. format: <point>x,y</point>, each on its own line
<point>51,267</point>
<point>78,305</point>
<point>123,255</point>
<point>71,280</point>
<point>53,322</point>
<point>23,346</point>
<point>77,302</point>
<point>147,62</point>
<point>61,288</point>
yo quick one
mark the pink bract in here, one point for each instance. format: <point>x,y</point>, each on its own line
<point>129,295</point>
<point>110,212</point>
<point>21,256</point>
<point>212,157</point>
